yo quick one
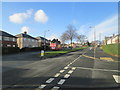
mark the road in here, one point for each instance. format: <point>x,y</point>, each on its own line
<point>75,70</point>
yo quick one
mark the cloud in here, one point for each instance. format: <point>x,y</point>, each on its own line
<point>106,28</point>
<point>40,16</point>
<point>25,29</point>
<point>20,17</point>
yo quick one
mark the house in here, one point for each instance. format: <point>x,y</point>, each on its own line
<point>112,40</point>
<point>7,40</point>
<point>42,41</point>
<point>25,40</point>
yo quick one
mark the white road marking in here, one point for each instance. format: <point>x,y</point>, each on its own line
<point>61,81</point>
<point>55,88</point>
<point>73,68</point>
<point>56,75</point>
<point>117,78</point>
<point>50,80</point>
<point>42,86</point>
<point>107,70</point>
<point>70,71</point>
<point>61,71</point>
<point>66,68</point>
<point>67,76</point>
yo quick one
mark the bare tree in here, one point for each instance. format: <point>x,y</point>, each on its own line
<point>81,38</point>
<point>70,34</point>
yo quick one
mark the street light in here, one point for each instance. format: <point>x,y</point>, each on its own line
<point>44,39</point>
<point>94,38</point>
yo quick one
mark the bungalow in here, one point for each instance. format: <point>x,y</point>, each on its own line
<point>25,40</point>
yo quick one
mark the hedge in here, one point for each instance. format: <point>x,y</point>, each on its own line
<point>113,49</point>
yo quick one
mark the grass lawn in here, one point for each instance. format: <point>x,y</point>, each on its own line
<point>55,53</point>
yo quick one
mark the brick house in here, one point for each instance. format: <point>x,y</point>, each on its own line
<point>7,40</point>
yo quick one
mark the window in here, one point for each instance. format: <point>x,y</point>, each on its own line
<point>8,45</point>
<point>10,39</point>
<point>24,39</point>
<point>13,45</point>
<point>14,39</point>
<point>6,38</point>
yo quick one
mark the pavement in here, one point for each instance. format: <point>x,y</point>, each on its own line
<point>75,70</point>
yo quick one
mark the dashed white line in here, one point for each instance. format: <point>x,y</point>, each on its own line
<point>117,78</point>
<point>73,68</point>
<point>50,80</point>
<point>67,76</point>
<point>70,71</point>
<point>61,81</point>
<point>61,71</point>
<point>42,86</point>
<point>56,75</point>
<point>66,68</point>
<point>55,88</point>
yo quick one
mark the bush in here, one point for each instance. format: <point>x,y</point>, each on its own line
<point>113,49</point>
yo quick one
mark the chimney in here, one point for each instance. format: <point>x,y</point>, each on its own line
<point>25,32</point>
<point>113,35</point>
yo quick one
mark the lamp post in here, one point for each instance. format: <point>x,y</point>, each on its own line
<point>44,39</point>
<point>94,39</point>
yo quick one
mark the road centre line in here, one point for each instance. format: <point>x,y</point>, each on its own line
<point>61,71</point>
<point>67,76</point>
<point>70,72</point>
<point>117,78</point>
<point>55,88</point>
<point>73,68</point>
<point>98,69</point>
<point>61,81</point>
<point>50,80</point>
<point>65,67</point>
<point>57,74</point>
<point>42,86</point>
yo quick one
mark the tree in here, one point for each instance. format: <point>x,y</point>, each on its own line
<point>69,34</point>
<point>81,38</point>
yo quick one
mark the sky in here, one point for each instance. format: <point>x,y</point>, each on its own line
<point>53,18</point>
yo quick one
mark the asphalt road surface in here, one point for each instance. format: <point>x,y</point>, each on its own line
<point>81,70</point>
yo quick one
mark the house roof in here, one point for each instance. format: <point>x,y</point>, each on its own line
<point>3,33</point>
<point>39,37</point>
<point>25,35</point>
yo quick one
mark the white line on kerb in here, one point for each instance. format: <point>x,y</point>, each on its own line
<point>61,71</point>
<point>56,75</point>
<point>61,81</point>
<point>66,68</point>
<point>55,88</point>
<point>117,78</point>
<point>67,76</point>
<point>42,86</point>
<point>70,71</point>
<point>50,80</point>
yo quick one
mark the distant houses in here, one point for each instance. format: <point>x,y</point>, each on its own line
<point>112,40</point>
<point>42,41</point>
<point>22,40</point>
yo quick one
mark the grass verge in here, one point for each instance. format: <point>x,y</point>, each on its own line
<point>58,53</point>
<point>112,49</point>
